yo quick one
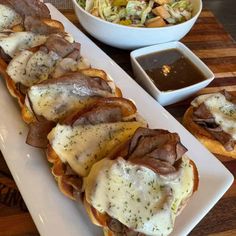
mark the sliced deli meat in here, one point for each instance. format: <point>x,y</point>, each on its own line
<point>217,114</point>
<point>158,144</point>
<point>43,26</point>
<point>61,46</point>
<point>38,131</point>
<point>106,110</point>
<point>28,7</point>
<point>28,15</point>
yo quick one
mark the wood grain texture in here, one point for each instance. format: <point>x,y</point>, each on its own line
<point>217,49</point>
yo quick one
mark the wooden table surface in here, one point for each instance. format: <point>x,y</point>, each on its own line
<point>217,49</point>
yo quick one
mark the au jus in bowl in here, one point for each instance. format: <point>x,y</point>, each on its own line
<point>170,72</point>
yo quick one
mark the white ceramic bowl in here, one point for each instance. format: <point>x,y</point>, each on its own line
<point>169,97</point>
<point>126,37</point>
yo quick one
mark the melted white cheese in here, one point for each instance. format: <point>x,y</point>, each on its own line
<point>55,101</point>
<point>16,67</point>
<point>137,196</point>
<point>69,37</point>
<point>83,63</point>
<point>64,66</point>
<point>223,111</point>
<point>17,41</point>
<point>9,17</point>
<point>84,145</point>
<point>30,68</point>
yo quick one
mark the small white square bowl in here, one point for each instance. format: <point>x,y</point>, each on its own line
<point>169,97</point>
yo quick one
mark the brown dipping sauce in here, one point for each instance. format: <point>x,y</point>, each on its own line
<point>170,69</point>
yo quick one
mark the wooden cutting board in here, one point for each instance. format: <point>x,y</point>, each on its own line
<point>217,49</point>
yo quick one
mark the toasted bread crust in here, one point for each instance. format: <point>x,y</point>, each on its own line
<point>27,115</point>
<point>108,232</point>
<point>51,155</point>
<point>65,188</point>
<point>97,218</point>
<point>10,83</point>
<point>204,136</point>
<point>18,28</point>
<point>57,165</point>
<point>53,23</point>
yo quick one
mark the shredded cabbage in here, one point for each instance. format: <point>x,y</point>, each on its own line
<point>147,11</point>
<point>135,8</point>
<point>136,12</point>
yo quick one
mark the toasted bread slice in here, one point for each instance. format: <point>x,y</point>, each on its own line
<point>100,219</point>
<point>28,116</point>
<point>128,110</point>
<point>204,136</point>
<point>10,84</point>
<point>3,65</point>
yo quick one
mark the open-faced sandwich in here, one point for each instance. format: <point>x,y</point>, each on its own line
<point>27,15</point>
<point>26,26</point>
<point>212,119</point>
<point>53,100</point>
<point>143,187</point>
<point>55,57</point>
<point>86,137</point>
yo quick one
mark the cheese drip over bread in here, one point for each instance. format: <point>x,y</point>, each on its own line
<point>9,17</point>
<point>136,196</point>
<point>83,145</point>
<point>222,110</point>
<point>29,68</point>
<point>17,41</point>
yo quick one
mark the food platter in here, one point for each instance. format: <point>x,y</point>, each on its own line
<point>53,213</point>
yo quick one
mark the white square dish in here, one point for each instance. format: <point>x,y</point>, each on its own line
<point>168,97</point>
<point>52,212</point>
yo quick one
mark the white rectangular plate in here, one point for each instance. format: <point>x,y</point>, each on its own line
<point>53,213</point>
